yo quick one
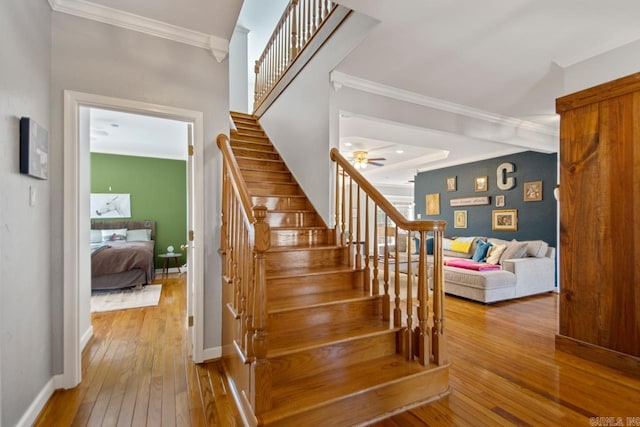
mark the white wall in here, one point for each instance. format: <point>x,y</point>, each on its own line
<point>238,66</point>
<point>608,66</point>
<point>105,60</point>
<point>298,121</point>
<point>25,251</point>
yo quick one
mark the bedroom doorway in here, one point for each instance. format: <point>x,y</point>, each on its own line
<point>76,268</point>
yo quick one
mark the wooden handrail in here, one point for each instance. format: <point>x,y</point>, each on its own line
<point>245,236</point>
<point>238,182</point>
<point>426,342</point>
<point>382,202</point>
<point>300,21</point>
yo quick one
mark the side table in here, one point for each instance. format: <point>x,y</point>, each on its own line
<point>167,258</point>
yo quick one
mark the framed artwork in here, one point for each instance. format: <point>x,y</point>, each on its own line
<point>482,183</point>
<point>452,183</point>
<point>433,204</point>
<point>499,201</point>
<point>533,191</point>
<point>34,149</point>
<point>469,201</point>
<point>504,220</point>
<point>110,205</point>
<point>459,219</point>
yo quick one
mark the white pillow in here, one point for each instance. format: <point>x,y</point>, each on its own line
<point>119,234</point>
<point>96,236</point>
<point>494,253</point>
<point>142,235</point>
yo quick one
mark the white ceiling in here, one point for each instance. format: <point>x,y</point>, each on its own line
<point>495,58</point>
<point>115,132</point>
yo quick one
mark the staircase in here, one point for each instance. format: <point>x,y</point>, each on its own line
<point>333,357</point>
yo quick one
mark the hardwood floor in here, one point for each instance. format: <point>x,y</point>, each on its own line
<point>504,371</point>
<point>137,370</point>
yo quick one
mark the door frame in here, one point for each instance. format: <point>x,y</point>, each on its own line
<point>72,359</point>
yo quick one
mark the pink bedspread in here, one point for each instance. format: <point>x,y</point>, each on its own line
<point>471,265</point>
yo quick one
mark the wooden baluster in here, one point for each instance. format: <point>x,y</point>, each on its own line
<point>337,206</point>
<point>358,237</point>
<point>294,29</point>
<point>326,10</point>
<point>386,302</point>
<point>423,331</point>
<point>342,205</point>
<point>350,237</point>
<point>256,86</point>
<point>307,6</point>
<point>261,367</point>
<point>223,219</point>
<point>397,311</point>
<point>439,338</point>
<point>367,243</point>
<point>408,332</point>
<point>375,283</point>
<point>316,14</point>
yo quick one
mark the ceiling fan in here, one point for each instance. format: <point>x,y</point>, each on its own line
<point>360,160</point>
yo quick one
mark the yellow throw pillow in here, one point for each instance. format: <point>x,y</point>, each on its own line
<point>462,244</point>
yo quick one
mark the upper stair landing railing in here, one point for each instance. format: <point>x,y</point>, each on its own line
<point>301,20</point>
<point>427,341</point>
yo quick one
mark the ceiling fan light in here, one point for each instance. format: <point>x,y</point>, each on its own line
<point>363,165</point>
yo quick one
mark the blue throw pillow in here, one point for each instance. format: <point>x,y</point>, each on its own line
<point>480,255</point>
<point>430,246</point>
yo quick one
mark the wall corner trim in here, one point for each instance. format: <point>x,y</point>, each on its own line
<point>218,46</point>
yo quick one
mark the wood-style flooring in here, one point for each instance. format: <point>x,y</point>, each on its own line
<point>504,371</point>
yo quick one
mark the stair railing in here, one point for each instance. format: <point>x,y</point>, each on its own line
<point>299,22</point>
<point>369,246</point>
<point>245,237</point>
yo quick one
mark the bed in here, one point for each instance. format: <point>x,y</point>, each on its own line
<point>122,254</point>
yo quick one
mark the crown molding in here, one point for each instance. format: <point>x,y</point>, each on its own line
<point>219,47</point>
<point>339,80</point>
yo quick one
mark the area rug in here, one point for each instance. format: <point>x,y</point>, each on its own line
<point>123,299</point>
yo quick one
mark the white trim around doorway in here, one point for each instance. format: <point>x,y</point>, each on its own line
<point>71,375</point>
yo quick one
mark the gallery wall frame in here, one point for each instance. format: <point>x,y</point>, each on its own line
<point>452,183</point>
<point>481,183</point>
<point>433,204</point>
<point>533,191</point>
<point>500,201</point>
<point>504,220</point>
<point>460,219</point>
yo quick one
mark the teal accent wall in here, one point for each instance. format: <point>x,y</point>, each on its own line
<point>158,189</point>
<point>536,220</point>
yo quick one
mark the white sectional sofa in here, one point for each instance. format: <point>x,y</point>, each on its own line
<point>533,272</point>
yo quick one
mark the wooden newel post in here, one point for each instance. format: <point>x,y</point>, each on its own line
<point>439,338</point>
<point>261,368</point>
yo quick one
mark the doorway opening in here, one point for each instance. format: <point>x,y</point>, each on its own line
<point>77,269</point>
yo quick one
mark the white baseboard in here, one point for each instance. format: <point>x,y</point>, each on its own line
<point>30,416</point>
<point>212,353</point>
<point>86,337</point>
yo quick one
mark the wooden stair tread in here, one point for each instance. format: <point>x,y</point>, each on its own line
<point>300,339</point>
<point>319,247</point>
<point>310,271</point>
<point>310,300</point>
<point>291,211</point>
<point>263,160</point>
<point>250,169</point>
<point>327,387</point>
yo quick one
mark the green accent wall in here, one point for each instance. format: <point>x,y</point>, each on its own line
<point>158,189</point>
